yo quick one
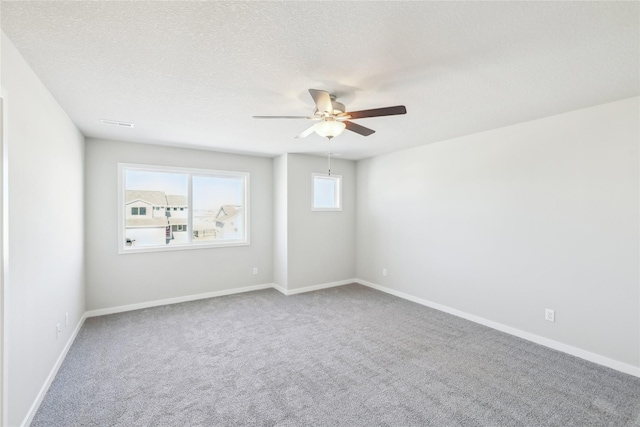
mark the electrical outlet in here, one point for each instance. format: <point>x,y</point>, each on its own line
<point>66,320</point>
<point>255,271</point>
<point>384,271</point>
<point>57,330</point>
<point>549,315</point>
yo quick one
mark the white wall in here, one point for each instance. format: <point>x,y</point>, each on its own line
<point>320,245</point>
<point>115,280</point>
<point>45,268</point>
<point>506,223</point>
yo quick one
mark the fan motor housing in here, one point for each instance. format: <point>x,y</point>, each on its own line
<point>338,107</point>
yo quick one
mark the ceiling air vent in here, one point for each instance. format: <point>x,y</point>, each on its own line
<point>117,123</point>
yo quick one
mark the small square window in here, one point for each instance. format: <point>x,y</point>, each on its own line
<point>134,211</point>
<point>327,192</point>
<point>143,211</point>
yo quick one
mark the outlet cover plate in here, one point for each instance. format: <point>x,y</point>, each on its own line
<point>549,315</point>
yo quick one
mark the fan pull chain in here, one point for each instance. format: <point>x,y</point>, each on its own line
<point>329,157</point>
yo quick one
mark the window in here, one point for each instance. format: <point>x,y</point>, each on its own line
<point>210,204</point>
<point>327,192</point>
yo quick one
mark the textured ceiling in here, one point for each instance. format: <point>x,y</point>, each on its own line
<point>193,73</point>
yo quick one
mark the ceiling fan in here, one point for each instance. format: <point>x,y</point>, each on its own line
<point>333,118</point>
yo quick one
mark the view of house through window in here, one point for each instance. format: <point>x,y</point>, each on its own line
<point>172,207</point>
<point>217,208</point>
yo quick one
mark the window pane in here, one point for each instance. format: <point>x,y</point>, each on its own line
<point>158,214</point>
<point>150,189</point>
<point>218,201</point>
<point>325,192</point>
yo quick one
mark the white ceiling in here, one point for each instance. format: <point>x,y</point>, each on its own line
<point>194,73</point>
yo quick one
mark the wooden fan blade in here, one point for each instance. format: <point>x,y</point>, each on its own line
<point>282,117</point>
<point>322,100</point>
<point>377,112</point>
<point>306,132</point>
<point>358,129</point>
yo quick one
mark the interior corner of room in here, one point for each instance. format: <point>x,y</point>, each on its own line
<point>494,226</point>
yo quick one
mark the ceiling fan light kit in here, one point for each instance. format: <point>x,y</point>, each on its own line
<point>329,128</point>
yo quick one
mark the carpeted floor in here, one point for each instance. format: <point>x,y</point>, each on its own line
<point>345,356</point>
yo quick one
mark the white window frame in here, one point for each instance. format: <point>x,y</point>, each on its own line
<point>123,249</point>
<point>338,195</point>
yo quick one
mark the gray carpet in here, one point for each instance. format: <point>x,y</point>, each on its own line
<point>346,356</point>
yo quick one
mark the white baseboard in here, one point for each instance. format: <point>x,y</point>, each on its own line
<point>279,288</point>
<point>54,371</point>
<point>156,303</point>
<point>312,288</point>
<point>565,348</point>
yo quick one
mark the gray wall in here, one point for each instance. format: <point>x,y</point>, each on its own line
<point>280,222</point>
<point>321,245</point>
<point>506,223</point>
<point>45,270</point>
<point>115,280</point>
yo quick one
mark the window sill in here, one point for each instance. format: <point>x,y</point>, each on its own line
<point>326,209</point>
<point>146,249</point>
